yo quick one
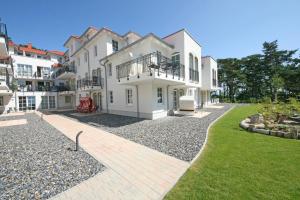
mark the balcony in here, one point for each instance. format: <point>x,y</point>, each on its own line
<point>65,72</point>
<point>194,75</point>
<point>150,66</point>
<point>90,84</point>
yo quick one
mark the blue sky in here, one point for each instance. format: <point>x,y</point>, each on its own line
<point>230,28</point>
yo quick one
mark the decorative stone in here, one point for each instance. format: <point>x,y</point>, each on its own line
<point>280,133</point>
<point>256,119</point>
<point>171,113</point>
<point>260,126</point>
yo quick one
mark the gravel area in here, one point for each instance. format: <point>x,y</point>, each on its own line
<point>181,137</point>
<point>36,163</point>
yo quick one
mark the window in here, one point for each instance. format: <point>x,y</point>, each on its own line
<point>1,101</point>
<point>24,70</point>
<point>129,99</point>
<point>176,59</point>
<point>111,97</point>
<point>44,103</point>
<point>31,102</point>
<point>196,63</point>
<point>159,95</point>
<point>191,61</point>
<point>95,50</point>
<point>85,57</point>
<point>109,69</point>
<point>51,102</point>
<point>115,45</point>
<point>71,49</point>
<point>78,61</point>
<point>67,99</point>
<point>191,92</point>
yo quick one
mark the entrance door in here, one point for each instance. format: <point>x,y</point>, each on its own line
<point>31,102</point>
<point>22,103</point>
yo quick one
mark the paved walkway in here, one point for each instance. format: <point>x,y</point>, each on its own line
<point>133,171</point>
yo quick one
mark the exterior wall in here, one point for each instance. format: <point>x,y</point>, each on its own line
<point>207,65</point>
<point>146,105</point>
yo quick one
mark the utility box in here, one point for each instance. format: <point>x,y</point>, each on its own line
<point>186,103</point>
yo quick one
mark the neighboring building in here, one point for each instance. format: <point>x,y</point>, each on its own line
<point>33,68</point>
<point>6,71</point>
<point>139,76</point>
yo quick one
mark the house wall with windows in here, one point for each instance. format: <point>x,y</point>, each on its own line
<point>139,94</point>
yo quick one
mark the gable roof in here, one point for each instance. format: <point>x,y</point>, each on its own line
<point>136,42</point>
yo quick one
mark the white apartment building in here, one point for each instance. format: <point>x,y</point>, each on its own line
<point>140,76</point>
<point>36,88</point>
<point>6,71</point>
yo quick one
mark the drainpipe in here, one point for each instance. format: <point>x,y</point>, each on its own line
<point>168,97</point>
<point>106,94</point>
<point>137,101</point>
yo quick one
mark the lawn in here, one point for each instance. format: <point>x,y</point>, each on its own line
<point>237,164</point>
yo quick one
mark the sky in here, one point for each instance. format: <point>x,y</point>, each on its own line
<point>224,28</point>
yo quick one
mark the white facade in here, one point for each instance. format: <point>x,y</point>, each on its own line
<point>139,76</point>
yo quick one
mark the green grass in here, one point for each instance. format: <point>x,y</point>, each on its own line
<point>237,164</point>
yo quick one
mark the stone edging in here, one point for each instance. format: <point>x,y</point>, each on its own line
<point>252,128</point>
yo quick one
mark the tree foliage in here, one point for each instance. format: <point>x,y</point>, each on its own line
<point>274,73</point>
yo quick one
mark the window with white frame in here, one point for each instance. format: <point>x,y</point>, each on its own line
<point>115,46</point>
<point>44,103</point>
<point>109,69</point>
<point>1,101</point>
<point>67,99</point>
<point>95,51</point>
<point>51,102</point>
<point>129,99</point>
<point>85,57</point>
<point>159,95</point>
<point>111,97</point>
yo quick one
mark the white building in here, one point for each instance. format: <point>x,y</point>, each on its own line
<point>35,86</point>
<point>140,76</point>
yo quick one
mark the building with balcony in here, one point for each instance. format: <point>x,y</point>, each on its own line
<point>6,71</point>
<point>35,86</point>
<point>141,76</point>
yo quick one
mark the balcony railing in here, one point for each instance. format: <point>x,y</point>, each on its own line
<point>44,88</point>
<point>64,69</point>
<point>194,75</point>
<point>95,81</point>
<point>151,63</point>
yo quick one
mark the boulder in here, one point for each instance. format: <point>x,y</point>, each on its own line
<point>256,119</point>
<point>259,126</point>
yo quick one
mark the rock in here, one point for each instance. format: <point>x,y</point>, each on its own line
<point>171,113</point>
<point>287,135</point>
<point>256,119</point>
<point>260,126</point>
<point>280,133</point>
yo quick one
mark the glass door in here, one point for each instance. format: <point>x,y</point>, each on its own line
<point>31,102</point>
<point>22,103</point>
<point>175,100</point>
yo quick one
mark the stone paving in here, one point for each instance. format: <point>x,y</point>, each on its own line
<point>133,171</point>
<point>35,161</point>
<point>180,137</point>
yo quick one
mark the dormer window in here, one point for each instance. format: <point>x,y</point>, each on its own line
<point>115,45</point>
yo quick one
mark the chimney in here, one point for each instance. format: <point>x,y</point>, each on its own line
<point>29,45</point>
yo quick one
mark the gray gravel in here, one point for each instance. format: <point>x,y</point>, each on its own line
<point>180,137</point>
<point>35,161</point>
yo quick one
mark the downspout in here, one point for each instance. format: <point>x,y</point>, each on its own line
<point>106,94</point>
<point>167,97</point>
<point>137,101</point>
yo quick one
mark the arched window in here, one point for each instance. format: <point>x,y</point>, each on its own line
<point>191,61</point>
<point>196,63</point>
<point>191,65</point>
